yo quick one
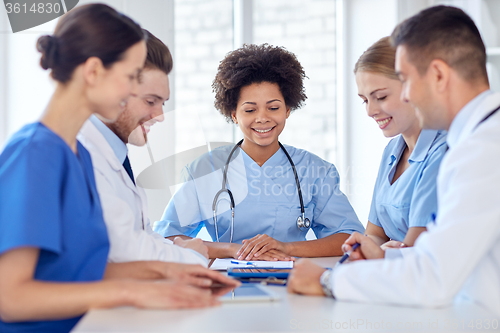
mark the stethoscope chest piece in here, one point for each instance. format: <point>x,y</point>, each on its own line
<point>303,223</point>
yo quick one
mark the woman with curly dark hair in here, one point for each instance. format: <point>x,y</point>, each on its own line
<point>271,194</point>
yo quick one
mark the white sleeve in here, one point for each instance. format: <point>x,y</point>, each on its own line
<point>461,247</point>
<point>392,253</point>
<point>128,244</point>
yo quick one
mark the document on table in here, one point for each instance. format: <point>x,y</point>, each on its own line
<point>224,264</point>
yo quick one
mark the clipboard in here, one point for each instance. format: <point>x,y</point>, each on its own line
<point>260,273</point>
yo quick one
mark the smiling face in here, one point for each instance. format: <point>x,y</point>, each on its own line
<point>144,108</point>
<point>382,98</point>
<point>261,114</point>
<point>113,86</point>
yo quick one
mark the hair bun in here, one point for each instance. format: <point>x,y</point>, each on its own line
<point>47,45</point>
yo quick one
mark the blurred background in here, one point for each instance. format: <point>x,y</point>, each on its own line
<point>327,36</point>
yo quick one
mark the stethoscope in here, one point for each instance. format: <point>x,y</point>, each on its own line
<point>303,223</point>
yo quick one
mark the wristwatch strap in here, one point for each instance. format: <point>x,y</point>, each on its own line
<point>325,281</point>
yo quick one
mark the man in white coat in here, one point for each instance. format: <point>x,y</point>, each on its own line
<point>441,61</point>
<point>124,204</point>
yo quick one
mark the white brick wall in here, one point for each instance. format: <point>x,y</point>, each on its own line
<point>306,28</point>
<point>203,36</point>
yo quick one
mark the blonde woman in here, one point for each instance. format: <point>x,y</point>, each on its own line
<point>404,199</point>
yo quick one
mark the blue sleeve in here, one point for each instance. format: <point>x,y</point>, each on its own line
<point>30,196</point>
<point>333,213</point>
<point>423,205</point>
<point>182,215</point>
<point>373,216</point>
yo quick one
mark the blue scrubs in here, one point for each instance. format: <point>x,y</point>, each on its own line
<point>266,198</point>
<point>48,200</point>
<point>411,201</point>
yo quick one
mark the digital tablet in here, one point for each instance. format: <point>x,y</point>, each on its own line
<point>280,273</point>
<point>249,293</point>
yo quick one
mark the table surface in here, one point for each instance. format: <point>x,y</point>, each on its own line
<point>291,314</point>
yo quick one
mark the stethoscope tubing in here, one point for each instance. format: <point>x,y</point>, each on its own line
<point>231,198</point>
<point>302,211</point>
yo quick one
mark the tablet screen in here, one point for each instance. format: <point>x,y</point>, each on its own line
<point>249,292</point>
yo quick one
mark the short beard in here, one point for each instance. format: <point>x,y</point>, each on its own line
<point>119,127</point>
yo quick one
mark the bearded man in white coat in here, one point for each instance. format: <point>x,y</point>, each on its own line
<point>441,61</point>
<point>123,203</point>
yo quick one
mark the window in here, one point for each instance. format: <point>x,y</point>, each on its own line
<point>199,34</point>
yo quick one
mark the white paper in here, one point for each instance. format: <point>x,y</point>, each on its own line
<point>224,264</point>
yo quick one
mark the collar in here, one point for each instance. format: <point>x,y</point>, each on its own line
<point>119,148</point>
<point>397,151</point>
<point>463,117</point>
<point>424,143</point>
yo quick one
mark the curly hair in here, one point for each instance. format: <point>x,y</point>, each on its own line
<point>256,64</point>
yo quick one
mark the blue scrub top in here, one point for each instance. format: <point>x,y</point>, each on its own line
<point>411,201</point>
<point>49,200</point>
<point>266,198</point>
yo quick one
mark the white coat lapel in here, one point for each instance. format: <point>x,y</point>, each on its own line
<point>490,103</point>
<point>92,138</point>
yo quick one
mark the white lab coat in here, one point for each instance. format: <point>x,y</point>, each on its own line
<point>125,209</point>
<point>459,257</point>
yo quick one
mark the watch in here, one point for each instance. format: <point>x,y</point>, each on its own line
<point>325,281</point>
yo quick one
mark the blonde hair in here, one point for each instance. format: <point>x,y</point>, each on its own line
<point>379,58</point>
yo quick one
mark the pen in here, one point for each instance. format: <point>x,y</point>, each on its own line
<point>241,263</point>
<point>347,254</point>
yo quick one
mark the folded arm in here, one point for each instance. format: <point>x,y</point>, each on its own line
<point>258,246</point>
